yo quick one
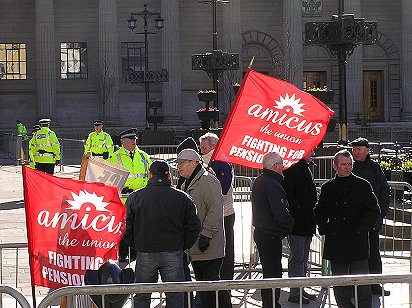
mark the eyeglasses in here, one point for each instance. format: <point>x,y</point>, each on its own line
<point>279,163</point>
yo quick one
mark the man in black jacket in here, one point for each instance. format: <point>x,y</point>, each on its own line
<point>272,221</point>
<point>371,171</point>
<point>301,191</point>
<point>161,222</point>
<point>345,213</point>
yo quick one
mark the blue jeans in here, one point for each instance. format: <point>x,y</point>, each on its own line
<point>298,258</point>
<point>170,266</point>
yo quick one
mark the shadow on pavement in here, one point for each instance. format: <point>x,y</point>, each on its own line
<point>12,205</point>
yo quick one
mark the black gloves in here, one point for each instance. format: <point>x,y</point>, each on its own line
<point>57,162</point>
<point>204,243</point>
<point>127,190</point>
<point>105,155</point>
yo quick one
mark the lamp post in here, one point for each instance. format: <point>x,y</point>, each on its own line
<point>341,36</point>
<point>215,63</point>
<point>146,76</point>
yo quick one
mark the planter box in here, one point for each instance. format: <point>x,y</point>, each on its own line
<point>206,96</point>
<point>154,104</point>
<point>325,96</point>
<point>155,118</point>
<point>208,115</point>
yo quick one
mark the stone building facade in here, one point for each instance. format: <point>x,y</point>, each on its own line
<point>53,53</point>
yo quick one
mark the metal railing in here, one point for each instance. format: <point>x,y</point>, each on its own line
<point>14,293</point>
<point>245,285</point>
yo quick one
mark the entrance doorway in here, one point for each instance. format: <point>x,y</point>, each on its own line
<point>373,96</point>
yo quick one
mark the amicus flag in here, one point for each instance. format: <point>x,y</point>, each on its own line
<point>72,226</point>
<point>271,115</point>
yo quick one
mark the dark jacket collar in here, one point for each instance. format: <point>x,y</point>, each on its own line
<point>160,181</point>
<point>274,174</point>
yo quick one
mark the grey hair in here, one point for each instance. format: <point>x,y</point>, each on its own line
<point>269,159</point>
<point>211,137</point>
<point>344,153</point>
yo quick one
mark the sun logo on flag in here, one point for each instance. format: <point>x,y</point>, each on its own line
<point>290,104</point>
<point>86,197</point>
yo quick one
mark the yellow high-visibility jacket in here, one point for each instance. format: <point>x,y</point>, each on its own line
<point>139,167</point>
<point>46,146</point>
<point>99,143</point>
<point>31,153</point>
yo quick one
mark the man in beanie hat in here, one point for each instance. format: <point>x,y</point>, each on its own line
<point>161,222</point>
<point>371,171</point>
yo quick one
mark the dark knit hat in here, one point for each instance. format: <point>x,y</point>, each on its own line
<point>159,168</point>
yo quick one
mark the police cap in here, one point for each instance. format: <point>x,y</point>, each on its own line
<point>44,121</point>
<point>98,122</point>
<point>129,133</point>
<point>36,127</point>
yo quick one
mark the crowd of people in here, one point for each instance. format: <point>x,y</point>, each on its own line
<point>168,228</point>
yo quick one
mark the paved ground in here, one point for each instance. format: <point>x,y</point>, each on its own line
<point>12,230</point>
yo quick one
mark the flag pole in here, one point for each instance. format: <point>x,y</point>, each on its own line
<point>33,285</point>
<point>251,63</point>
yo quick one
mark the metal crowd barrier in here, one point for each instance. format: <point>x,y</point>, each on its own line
<point>246,285</point>
<point>20,298</point>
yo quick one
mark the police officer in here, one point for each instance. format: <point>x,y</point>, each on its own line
<point>99,143</point>
<point>46,148</point>
<point>21,130</point>
<point>138,163</point>
<point>31,152</point>
<point>133,159</point>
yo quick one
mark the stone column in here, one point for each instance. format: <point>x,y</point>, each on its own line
<point>108,71</point>
<point>232,43</point>
<point>171,90</point>
<point>354,71</point>
<point>293,42</point>
<point>45,59</point>
<point>406,60</point>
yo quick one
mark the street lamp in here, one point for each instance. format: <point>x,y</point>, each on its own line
<point>146,76</point>
<point>216,62</point>
<point>341,36</point>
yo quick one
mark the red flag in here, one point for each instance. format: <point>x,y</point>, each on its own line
<point>71,226</point>
<point>271,115</point>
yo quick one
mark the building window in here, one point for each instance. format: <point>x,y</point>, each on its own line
<point>13,62</point>
<point>132,57</point>
<point>73,58</point>
<point>314,80</point>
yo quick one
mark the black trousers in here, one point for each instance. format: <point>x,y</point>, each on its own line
<point>344,294</point>
<point>48,168</point>
<point>270,253</point>
<point>228,267</point>
<point>209,270</point>
<point>374,261</point>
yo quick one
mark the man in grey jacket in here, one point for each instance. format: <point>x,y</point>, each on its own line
<point>207,253</point>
